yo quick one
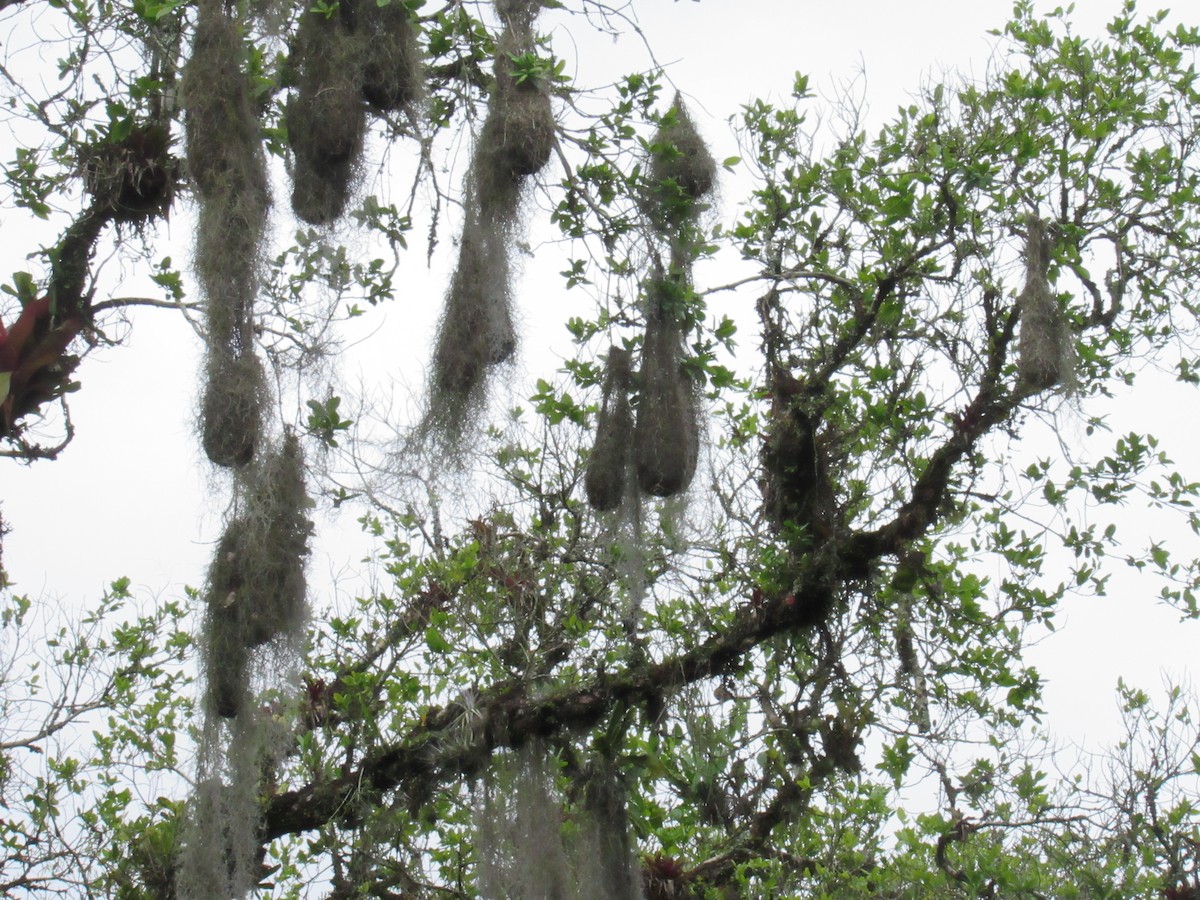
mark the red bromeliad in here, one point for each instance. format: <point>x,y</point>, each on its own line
<point>33,364</point>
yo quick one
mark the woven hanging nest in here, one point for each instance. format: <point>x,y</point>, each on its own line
<point>228,170</point>
<point>793,476</point>
<point>326,116</point>
<point>390,55</point>
<point>256,586</point>
<point>477,329</point>
<point>608,466</point>
<point>518,135</point>
<point>1046,352</point>
<point>681,172</point>
<point>231,408</point>
<point>666,435</point>
<point>224,151</point>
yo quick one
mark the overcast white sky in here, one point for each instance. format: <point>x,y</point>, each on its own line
<point>131,497</point>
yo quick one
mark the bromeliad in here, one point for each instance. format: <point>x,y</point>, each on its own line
<point>33,363</point>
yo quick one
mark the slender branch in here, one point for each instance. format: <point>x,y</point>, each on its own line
<point>990,407</point>
<point>797,274</point>
<point>122,302</point>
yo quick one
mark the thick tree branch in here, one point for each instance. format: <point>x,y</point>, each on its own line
<point>71,260</point>
<point>455,741</point>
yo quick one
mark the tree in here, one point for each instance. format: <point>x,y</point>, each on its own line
<point>716,697</point>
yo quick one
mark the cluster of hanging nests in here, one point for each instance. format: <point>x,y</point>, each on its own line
<point>357,58</point>
<point>516,142</point>
<point>362,57</point>
<point>256,585</point>
<point>228,170</point>
<point>661,442</point>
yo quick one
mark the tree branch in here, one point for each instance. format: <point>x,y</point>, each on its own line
<point>71,260</point>
<point>123,302</point>
<point>990,407</point>
<point>453,741</point>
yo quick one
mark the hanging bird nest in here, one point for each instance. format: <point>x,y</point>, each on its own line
<point>516,141</point>
<point>666,435</point>
<point>608,467</point>
<point>605,861</point>
<point>229,236</point>
<point>476,334</point>
<point>230,230</point>
<point>795,482</point>
<point>517,138</point>
<point>256,587</point>
<point>680,174</point>
<point>224,151</point>
<point>477,329</point>
<point>390,55</point>
<point>1046,351</point>
<point>231,410</point>
<point>326,117</point>
<point>320,199</point>
<point>228,169</point>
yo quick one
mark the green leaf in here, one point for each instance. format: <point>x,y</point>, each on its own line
<point>435,641</point>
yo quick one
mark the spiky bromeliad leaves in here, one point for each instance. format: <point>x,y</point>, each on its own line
<point>133,178</point>
<point>34,364</point>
